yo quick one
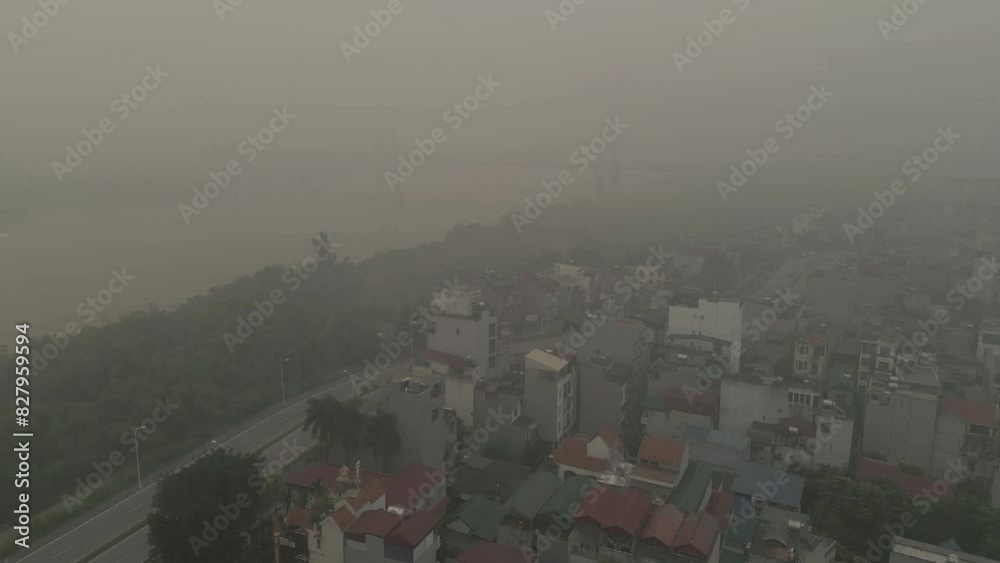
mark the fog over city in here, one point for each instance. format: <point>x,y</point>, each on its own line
<point>120,207</point>
<point>518,281</point>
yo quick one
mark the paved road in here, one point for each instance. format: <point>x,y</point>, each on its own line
<point>128,509</point>
<point>100,527</point>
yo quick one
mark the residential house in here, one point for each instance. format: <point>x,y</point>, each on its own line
<point>812,353</point>
<point>989,339</point>
<point>901,413</point>
<point>911,551</point>
<point>517,524</point>
<point>428,432</point>
<point>594,456</point>
<point>461,375</point>
<point>503,398</point>
<point>759,485</point>
<point>720,450</point>
<point>476,520</point>
<point>489,478</point>
<point>715,317</point>
<point>551,385</point>
<point>380,536</point>
<point>670,535</point>
<point>329,499</point>
<point>608,529</point>
<point>610,391</point>
<point>661,465</point>
<point>695,489</point>
<point>466,328</point>
<point>966,433</point>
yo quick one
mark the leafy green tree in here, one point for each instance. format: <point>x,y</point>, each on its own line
<point>381,434</point>
<point>205,511</point>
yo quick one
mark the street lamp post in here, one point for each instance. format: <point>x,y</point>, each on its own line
<point>138,470</point>
<point>283,381</point>
<point>411,343</point>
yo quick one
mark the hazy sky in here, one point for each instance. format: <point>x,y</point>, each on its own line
<point>120,206</point>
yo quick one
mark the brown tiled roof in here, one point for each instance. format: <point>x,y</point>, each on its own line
<point>981,413</point>
<point>413,529</point>
<point>612,439</point>
<point>344,517</point>
<point>659,474</point>
<point>301,517</point>
<point>697,535</point>
<point>663,524</point>
<point>373,523</point>
<point>720,506</point>
<point>665,451</point>
<point>619,510</point>
<point>573,452</point>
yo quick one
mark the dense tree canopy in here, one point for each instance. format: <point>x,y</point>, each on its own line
<point>205,512</point>
<point>859,515</point>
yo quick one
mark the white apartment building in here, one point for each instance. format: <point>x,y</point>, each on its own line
<point>715,317</point>
<point>462,344</point>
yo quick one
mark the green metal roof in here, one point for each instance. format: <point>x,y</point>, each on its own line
<point>688,494</point>
<point>481,515</point>
<point>741,532</point>
<point>572,490</point>
<point>532,495</point>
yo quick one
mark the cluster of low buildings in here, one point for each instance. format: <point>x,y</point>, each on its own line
<point>669,430</point>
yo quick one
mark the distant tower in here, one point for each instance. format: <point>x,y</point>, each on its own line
<point>606,167</point>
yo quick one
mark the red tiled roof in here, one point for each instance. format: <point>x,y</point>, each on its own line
<point>870,470</point>
<point>445,358</point>
<point>408,481</point>
<point>620,510</point>
<point>489,552</point>
<point>612,439</point>
<point>573,452</point>
<point>697,535</point>
<point>327,474</point>
<point>665,451</point>
<point>981,413</point>
<point>344,517</point>
<point>300,517</point>
<point>720,506</point>
<point>663,524</point>
<point>650,473</point>
<point>373,523</point>
<point>413,529</point>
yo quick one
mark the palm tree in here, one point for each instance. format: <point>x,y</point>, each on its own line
<point>349,426</point>
<point>322,420</point>
<point>331,421</point>
<point>382,436</point>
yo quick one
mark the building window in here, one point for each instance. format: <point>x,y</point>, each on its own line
<point>801,366</point>
<point>803,349</point>
<point>435,413</point>
<point>884,351</point>
<point>815,369</point>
